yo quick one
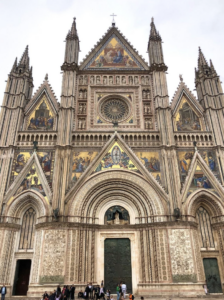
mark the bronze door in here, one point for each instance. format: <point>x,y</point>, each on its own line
<point>117,264</point>
<point>212,275</point>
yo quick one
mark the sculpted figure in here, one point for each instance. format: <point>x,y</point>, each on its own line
<point>80,80</point>
<point>147,80</point>
<point>85,94</point>
<point>97,79</point>
<point>104,80</point>
<point>92,79</point>
<point>136,80</point>
<point>110,80</point>
<point>123,80</point>
<point>143,80</point>
<point>85,80</point>
<point>118,80</point>
<point>144,94</point>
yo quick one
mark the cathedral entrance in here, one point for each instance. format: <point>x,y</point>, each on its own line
<point>212,275</point>
<point>117,263</point>
<point>22,276</point>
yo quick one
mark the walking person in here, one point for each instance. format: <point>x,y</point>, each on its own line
<point>3,292</point>
<point>102,292</point>
<point>118,291</point>
<point>124,289</point>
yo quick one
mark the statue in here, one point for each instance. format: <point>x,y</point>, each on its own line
<point>104,80</point>
<point>136,80</point>
<point>35,143</point>
<point>110,80</point>
<point>177,214</point>
<point>56,214</point>
<point>130,80</point>
<point>143,80</point>
<point>92,79</point>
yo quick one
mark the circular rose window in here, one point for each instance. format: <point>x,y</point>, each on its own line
<point>114,110</point>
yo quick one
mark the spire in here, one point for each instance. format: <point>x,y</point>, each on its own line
<point>201,60</point>
<point>212,67</point>
<point>24,61</point>
<point>73,34</point>
<point>14,65</point>
<point>153,32</point>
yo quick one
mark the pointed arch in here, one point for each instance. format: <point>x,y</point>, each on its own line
<point>23,201</point>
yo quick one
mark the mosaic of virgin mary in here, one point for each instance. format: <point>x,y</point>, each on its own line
<point>114,55</point>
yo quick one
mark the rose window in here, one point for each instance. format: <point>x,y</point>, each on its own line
<point>114,110</point>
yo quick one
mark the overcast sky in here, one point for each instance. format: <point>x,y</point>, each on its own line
<point>43,24</point>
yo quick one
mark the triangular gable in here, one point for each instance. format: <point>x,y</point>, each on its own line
<point>187,112</point>
<point>41,111</point>
<point>127,161</point>
<point>113,51</point>
<point>116,158</point>
<point>31,178</point>
<point>182,89</point>
<point>200,177</point>
<point>22,157</point>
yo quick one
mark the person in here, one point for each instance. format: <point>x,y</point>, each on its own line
<point>90,291</point>
<point>3,292</point>
<point>80,294</point>
<point>45,295</point>
<point>111,297</point>
<point>72,292</point>
<point>122,296</point>
<point>58,296</point>
<point>97,292</point>
<point>102,292</point>
<point>58,289</point>
<point>205,287</point>
<point>108,294</point>
<point>124,288</point>
<point>51,296</point>
<point>66,293</point>
<point>118,291</point>
<point>131,297</point>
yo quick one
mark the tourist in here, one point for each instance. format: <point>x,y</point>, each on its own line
<point>45,295</point>
<point>108,294</point>
<point>90,293</point>
<point>52,296</point>
<point>66,293</point>
<point>205,287</point>
<point>80,294</point>
<point>118,291</point>
<point>97,292</point>
<point>124,289</point>
<point>122,296</point>
<point>58,289</point>
<point>131,297</point>
<point>58,296</point>
<point>102,292</point>
<point>3,292</point>
<point>72,292</point>
<point>111,297</point>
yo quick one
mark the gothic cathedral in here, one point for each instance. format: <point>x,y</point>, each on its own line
<point>115,182</point>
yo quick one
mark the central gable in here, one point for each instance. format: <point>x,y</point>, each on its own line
<point>114,52</point>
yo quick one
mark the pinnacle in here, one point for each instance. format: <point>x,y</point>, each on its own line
<point>73,32</point>
<point>201,59</point>
<point>153,31</point>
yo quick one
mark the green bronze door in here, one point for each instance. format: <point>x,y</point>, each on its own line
<point>117,263</point>
<point>212,275</point>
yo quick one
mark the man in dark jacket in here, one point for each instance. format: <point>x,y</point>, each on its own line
<point>45,295</point>
<point>3,292</point>
<point>72,292</point>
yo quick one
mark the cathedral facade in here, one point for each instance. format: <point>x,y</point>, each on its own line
<point>116,182</point>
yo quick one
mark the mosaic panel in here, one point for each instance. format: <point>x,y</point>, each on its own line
<point>45,158</point>
<point>116,158</point>
<point>42,117</point>
<point>31,182</point>
<point>186,118</point>
<point>114,55</point>
<point>151,162</point>
<point>80,163</point>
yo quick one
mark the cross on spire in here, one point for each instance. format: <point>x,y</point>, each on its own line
<point>113,21</point>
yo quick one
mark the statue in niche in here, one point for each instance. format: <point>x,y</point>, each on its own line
<point>80,80</point>
<point>130,80</point>
<point>97,79</point>
<point>85,80</point>
<point>92,80</point>
<point>123,80</point>
<point>117,215</point>
<point>117,80</point>
<point>147,80</point>
<point>104,80</point>
<point>110,80</point>
<point>143,80</point>
<point>136,80</point>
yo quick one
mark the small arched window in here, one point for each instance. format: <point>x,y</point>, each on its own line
<point>28,229</point>
<point>204,227</point>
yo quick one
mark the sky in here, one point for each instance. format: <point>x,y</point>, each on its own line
<point>184,25</point>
